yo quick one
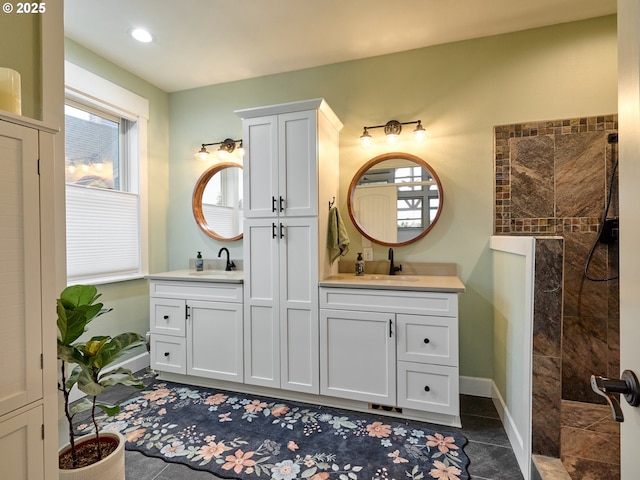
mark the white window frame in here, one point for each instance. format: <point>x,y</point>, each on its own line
<point>88,88</point>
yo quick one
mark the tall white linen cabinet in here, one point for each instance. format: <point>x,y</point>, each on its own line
<point>28,397</point>
<point>290,178</point>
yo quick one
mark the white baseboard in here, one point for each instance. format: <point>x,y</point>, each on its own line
<point>134,364</point>
<point>519,446</point>
<point>476,386</point>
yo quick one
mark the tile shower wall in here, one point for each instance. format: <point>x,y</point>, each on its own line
<point>551,182</point>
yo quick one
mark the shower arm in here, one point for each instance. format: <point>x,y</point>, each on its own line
<point>628,386</point>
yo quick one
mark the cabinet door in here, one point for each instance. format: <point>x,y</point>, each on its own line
<point>22,445</point>
<point>214,340</point>
<point>298,268</point>
<point>20,315</point>
<point>357,356</point>
<point>168,316</point>
<point>297,171</point>
<point>260,165</point>
<point>261,303</point>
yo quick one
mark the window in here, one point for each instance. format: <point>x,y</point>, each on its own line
<point>105,145</point>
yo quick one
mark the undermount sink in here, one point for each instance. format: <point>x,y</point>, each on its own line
<point>390,278</point>
<point>213,273</point>
<point>379,278</point>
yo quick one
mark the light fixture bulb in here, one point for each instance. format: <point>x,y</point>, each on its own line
<point>392,138</point>
<point>85,167</point>
<point>71,168</point>
<point>419,132</point>
<point>240,151</point>
<point>99,166</point>
<point>142,35</point>
<point>223,154</point>
<point>365,138</point>
<point>202,154</point>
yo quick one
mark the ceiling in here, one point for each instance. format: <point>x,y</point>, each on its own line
<point>204,42</point>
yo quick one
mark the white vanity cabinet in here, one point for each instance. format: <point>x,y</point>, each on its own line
<point>196,328</point>
<point>391,347</point>
<point>290,167</point>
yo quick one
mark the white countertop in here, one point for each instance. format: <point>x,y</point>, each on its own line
<point>218,276</point>
<point>426,283</point>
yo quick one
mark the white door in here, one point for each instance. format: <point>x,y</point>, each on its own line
<point>629,181</point>
<point>22,445</point>
<point>20,315</point>
<point>297,171</point>
<point>261,302</point>
<point>376,208</point>
<point>260,166</point>
<point>357,355</point>
<point>214,340</point>
<point>299,342</point>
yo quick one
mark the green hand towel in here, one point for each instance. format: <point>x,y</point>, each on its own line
<point>337,238</point>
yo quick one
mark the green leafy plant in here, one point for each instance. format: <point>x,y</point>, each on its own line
<point>77,307</point>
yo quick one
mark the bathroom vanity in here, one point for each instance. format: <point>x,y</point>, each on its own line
<point>387,342</point>
<point>392,341</point>
<point>196,324</point>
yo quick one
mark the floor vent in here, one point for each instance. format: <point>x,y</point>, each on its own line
<point>375,406</point>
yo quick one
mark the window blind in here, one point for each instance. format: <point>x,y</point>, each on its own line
<point>102,233</point>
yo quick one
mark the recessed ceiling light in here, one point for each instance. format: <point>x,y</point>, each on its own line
<point>141,35</point>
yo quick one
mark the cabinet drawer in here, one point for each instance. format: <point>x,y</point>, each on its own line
<point>168,354</point>
<point>395,301</point>
<point>433,388</point>
<point>168,316</point>
<point>427,339</point>
<point>224,292</point>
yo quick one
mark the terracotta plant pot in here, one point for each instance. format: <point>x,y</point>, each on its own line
<point>109,468</point>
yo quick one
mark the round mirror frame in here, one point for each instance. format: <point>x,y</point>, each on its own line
<point>375,161</point>
<point>196,200</point>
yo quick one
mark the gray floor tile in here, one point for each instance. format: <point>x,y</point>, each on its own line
<point>492,462</point>
<point>485,430</point>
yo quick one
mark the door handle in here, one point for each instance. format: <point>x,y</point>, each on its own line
<point>281,204</point>
<point>628,386</point>
<point>281,231</point>
<point>274,233</point>
<point>273,204</point>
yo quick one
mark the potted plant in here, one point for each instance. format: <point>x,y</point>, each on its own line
<point>77,307</point>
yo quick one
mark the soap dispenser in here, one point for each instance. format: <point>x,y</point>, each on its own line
<point>359,265</point>
<point>199,263</point>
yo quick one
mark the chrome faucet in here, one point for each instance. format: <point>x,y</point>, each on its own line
<point>230,265</point>
<point>392,268</point>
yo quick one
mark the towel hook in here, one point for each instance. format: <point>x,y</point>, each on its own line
<point>332,202</point>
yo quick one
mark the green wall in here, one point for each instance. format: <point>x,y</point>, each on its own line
<point>130,300</point>
<point>459,91</point>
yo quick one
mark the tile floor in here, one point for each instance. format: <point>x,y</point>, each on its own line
<point>489,450</point>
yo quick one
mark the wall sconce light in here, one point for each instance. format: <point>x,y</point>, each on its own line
<point>392,130</point>
<point>225,149</point>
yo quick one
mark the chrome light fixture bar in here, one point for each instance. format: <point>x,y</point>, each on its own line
<point>392,130</point>
<point>226,147</point>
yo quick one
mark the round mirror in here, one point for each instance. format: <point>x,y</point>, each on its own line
<point>395,199</point>
<point>217,202</point>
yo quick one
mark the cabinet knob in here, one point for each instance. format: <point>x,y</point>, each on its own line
<point>426,388</point>
<point>166,317</point>
<point>166,354</point>
<point>426,340</point>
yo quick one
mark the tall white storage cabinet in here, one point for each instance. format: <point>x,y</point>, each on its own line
<point>27,340</point>
<point>290,176</point>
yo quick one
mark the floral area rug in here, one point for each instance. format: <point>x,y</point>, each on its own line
<point>241,436</point>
